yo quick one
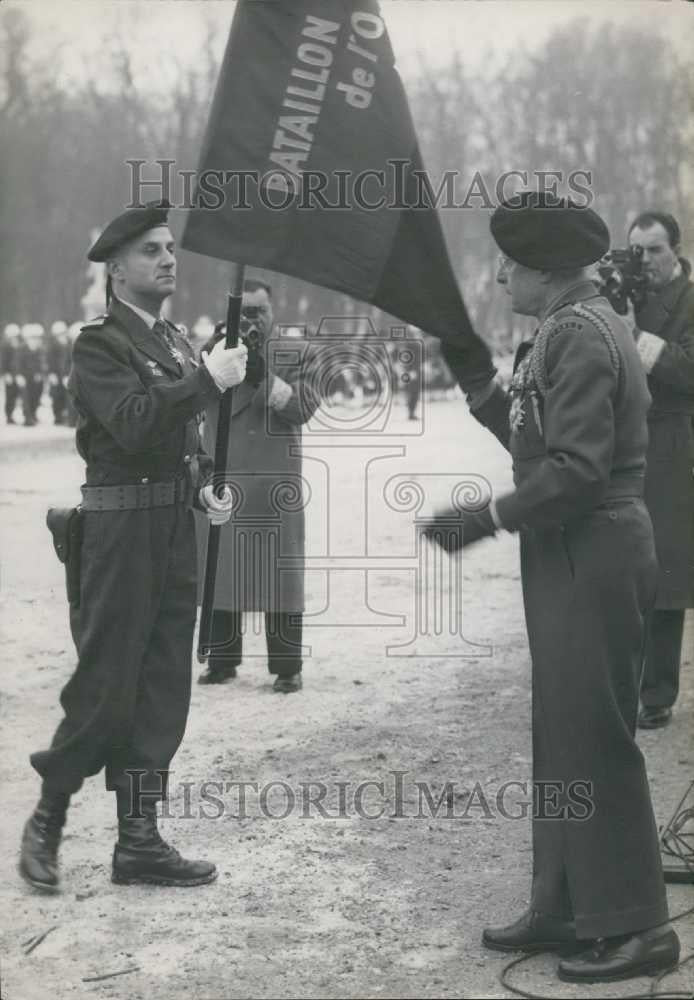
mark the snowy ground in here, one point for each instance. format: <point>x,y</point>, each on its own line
<point>310,905</point>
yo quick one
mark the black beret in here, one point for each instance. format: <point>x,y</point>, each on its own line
<point>127,226</point>
<point>547,233</point>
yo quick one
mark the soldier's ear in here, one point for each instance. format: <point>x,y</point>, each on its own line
<point>114,267</point>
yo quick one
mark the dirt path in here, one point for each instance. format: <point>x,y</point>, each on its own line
<point>324,902</point>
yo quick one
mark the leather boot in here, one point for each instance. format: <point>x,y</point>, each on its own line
<point>142,856</point>
<point>38,860</point>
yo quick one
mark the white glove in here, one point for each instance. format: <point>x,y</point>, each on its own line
<point>217,509</point>
<point>21,381</point>
<point>9,379</point>
<point>52,379</point>
<point>227,367</point>
<point>280,393</point>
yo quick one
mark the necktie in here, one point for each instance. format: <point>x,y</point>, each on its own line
<point>161,330</point>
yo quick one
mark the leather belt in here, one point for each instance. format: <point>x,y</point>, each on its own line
<point>134,496</point>
<point>625,486</point>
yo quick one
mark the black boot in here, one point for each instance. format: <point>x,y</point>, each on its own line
<point>38,860</point>
<point>141,855</point>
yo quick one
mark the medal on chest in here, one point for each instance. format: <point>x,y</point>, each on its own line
<point>518,389</point>
<point>523,387</point>
<point>176,355</point>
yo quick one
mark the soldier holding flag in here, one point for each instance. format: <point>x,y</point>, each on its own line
<point>137,390</point>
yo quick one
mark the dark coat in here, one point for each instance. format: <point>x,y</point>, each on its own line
<point>577,435</point>
<point>261,561</point>
<point>670,474</point>
<point>127,701</point>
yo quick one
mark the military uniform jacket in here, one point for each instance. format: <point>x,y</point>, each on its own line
<point>9,357</point>
<point>31,364</point>
<point>670,473</point>
<point>574,419</point>
<point>137,405</point>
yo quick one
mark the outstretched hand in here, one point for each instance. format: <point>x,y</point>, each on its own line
<point>451,532</point>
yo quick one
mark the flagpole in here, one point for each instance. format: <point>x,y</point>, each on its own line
<point>220,467</point>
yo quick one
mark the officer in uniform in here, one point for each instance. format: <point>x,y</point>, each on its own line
<point>8,366</point>
<point>58,365</point>
<point>31,370</point>
<point>574,422</point>
<point>137,391</point>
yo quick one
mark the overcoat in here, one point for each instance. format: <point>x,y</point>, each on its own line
<point>574,421</point>
<point>670,462</point>
<point>126,703</point>
<point>261,556</point>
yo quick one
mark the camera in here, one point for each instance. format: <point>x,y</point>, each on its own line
<point>250,334</point>
<point>622,278</point>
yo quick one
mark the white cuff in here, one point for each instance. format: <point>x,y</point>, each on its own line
<point>495,516</point>
<point>220,385</point>
<point>280,393</point>
<point>650,348</point>
<point>480,396</point>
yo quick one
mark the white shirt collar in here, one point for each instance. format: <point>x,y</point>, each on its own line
<point>147,317</point>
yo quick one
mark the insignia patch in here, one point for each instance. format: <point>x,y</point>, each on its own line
<point>156,370</point>
<point>97,322</point>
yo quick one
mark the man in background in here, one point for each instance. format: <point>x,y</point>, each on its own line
<point>261,556</point>
<point>665,342</point>
<point>58,356</point>
<point>9,353</point>
<point>31,370</point>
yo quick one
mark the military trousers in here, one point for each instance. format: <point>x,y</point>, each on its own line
<point>126,704</point>
<point>588,587</point>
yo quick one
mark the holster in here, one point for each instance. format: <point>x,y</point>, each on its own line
<point>66,525</point>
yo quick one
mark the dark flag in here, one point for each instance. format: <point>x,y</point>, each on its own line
<point>309,168</point>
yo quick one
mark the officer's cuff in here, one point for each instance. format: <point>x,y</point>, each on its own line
<point>650,348</point>
<point>280,393</point>
<point>478,397</point>
<point>498,523</point>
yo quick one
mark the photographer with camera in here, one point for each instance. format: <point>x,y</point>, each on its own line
<point>261,555</point>
<point>664,331</point>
